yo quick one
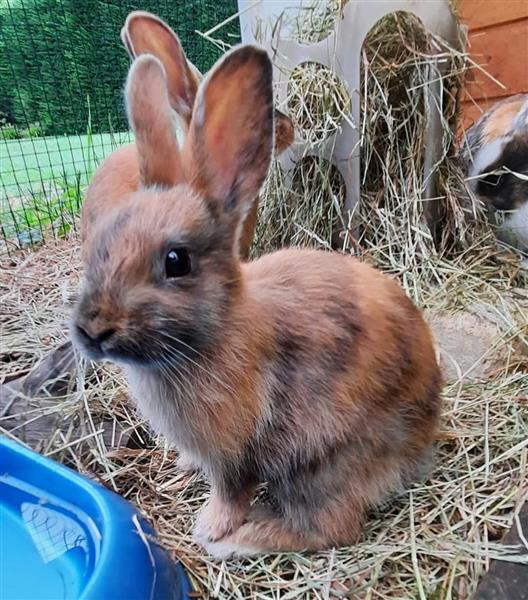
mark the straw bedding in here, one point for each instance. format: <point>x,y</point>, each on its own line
<point>437,539</point>
<point>434,541</point>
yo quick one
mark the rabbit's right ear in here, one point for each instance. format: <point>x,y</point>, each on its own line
<point>284,132</point>
<point>145,33</point>
<point>151,118</point>
<point>227,153</point>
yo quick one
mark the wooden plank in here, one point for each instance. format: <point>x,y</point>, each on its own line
<point>478,13</point>
<point>503,52</point>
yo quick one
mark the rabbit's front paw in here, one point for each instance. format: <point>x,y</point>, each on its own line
<point>217,519</point>
<point>228,548</point>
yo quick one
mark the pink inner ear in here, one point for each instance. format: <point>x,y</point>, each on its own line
<point>150,116</point>
<point>221,163</point>
<point>231,132</point>
<point>223,141</point>
<point>150,35</point>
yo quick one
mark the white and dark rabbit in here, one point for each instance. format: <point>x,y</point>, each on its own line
<point>305,369</point>
<point>495,151</point>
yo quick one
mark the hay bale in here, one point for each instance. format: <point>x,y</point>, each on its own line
<point>317,101</point>
<point>303,209</point>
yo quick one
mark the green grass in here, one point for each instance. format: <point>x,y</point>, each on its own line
<point>31,164</point>
<point>42,181</point>
<point>31,219</point>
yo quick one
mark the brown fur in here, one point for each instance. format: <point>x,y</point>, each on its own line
<point>307,370</point>
<point>107,191</point>
<point>146,33</point>
<point>498,122</point>
<point>501,118</point>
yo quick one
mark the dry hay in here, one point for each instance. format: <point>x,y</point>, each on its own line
<point>317,101</point>
<point>32,287</point>
<point>434,541</point>
<point>301,219</point>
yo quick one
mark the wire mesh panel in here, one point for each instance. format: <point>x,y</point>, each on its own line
<point>62,70</point>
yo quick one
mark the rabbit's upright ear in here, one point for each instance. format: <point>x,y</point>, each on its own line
<point>520,123</point>
<point>150,116</point>
<point>145,33</point>
<point>228,150</point>
<point>284,132</point>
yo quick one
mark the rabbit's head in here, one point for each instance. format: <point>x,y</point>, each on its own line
<point>498,170</point>
<point>162,266</point>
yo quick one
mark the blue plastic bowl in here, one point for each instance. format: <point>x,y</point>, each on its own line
<point>63,536</point>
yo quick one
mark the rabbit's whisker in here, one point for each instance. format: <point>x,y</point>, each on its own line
<point>181,354</point>
<point>178,368</point>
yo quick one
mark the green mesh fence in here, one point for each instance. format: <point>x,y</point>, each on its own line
<point>62,70</point>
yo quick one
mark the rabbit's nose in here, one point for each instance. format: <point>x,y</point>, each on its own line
<point>95,338</point>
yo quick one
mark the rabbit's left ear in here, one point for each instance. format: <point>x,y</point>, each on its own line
<point>150,116</point>
<point>520,124</point>
<point>228,151</point>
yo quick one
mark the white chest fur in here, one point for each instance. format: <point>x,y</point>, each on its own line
<point>160,404</point>
<point>512,227</point>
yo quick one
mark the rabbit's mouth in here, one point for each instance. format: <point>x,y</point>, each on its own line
<point>141,352</point>
<point>109,345</point>
<point>144,335</point>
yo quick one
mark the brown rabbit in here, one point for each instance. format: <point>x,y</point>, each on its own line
<point>304,369</point>
<point>145,33</point>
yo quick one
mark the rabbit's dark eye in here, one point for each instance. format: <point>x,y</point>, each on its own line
<point>177,263</point>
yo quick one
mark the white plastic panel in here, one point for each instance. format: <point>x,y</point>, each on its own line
<point>341,52</point>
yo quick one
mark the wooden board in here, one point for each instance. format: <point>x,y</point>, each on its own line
<point>484,13</point>
<point>503,52</point>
